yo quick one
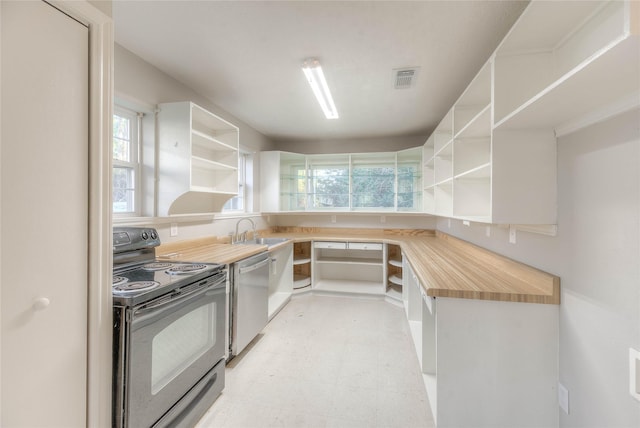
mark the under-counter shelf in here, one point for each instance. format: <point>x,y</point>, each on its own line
<point>395,279</point>
<point>396,263</point>
<point>301,281</point>
<point>301,264</point>
<point>349,267</point>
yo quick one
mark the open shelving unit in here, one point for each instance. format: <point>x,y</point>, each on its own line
<point>301,265</point>
<point>349,267</point>
<point>492,158</point>
<point>198,159</point>
<point>394,272</point>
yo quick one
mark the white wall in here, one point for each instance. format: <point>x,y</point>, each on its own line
<point>141,86</point>
<point>137,80</point>
<point>597,255</point>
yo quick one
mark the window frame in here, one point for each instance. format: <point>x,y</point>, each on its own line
<point>245,184</point>
<point>135,131</point>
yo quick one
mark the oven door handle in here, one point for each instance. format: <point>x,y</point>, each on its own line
<point>173,302</point>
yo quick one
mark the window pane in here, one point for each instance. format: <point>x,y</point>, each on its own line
<point>121,138</point>
<point>329,187</point>
<point>407,186</point>
<point>123,190</point>
<point>373,187</point>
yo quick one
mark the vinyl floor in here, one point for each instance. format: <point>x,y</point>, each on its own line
<point>326,362</point>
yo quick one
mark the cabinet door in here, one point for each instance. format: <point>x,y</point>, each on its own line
<point>44,197</point>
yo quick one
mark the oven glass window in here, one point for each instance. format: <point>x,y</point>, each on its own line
<point>180,344</point>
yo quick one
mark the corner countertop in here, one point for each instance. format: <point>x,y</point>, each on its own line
<point>444,265</point>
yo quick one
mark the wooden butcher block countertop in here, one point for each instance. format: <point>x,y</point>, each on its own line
<point>445,266</point>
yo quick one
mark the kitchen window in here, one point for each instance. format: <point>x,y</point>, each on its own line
<point>379,181</point>
<point>242,202</point>
<point>328,181</point>
<point>126,167</point>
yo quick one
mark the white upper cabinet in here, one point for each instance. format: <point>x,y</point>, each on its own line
<point>562,66</point>
<point>198,160</point>
<point>564,60</point>
<point>363,182</point>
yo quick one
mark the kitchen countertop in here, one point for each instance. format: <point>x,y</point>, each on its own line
<point>445,266</point>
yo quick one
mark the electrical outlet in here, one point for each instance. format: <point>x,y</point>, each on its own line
<point>634,373</point>
<point>512,234</point>
<point>174,229</point>
<point>333,219</point>
<point>487,231</point>
<point>449,223</point>
<point>383,219</point>
<point>563,398</point>
<point>466,222</point>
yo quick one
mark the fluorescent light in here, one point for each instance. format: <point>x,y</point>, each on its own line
<point>315,77</point>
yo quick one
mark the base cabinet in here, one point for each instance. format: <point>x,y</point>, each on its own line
<point>280,278</point>
<point>485,363</point>
<point>349,267</point>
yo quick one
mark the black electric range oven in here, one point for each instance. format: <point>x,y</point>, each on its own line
<point>169,334</point>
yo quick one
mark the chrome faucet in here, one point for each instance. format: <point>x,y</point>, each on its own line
<point>243,236</point>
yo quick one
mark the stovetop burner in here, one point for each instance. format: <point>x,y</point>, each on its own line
<point>157,266</point>
<point>186,268</point>
<point>135,286</point>
<point>138,276</point>
<point>118,280</point>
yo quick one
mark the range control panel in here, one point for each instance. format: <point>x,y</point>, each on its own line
<point>134,238</point>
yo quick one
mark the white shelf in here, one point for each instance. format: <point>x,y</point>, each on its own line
<point>211,143</point>
<point>395,279</point>
<point>478,126</point>
<point>349,286</point>
<point>301,281</point>
<point>479,172</point>
<point>350,261</point>
<point>199,162</point>
<point>599,82</point>
<point>301,261</point>
<point>396,263</point>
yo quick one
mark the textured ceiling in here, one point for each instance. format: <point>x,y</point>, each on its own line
<point>245,57</point>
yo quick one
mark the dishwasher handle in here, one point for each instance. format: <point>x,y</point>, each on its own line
<point>251,268</point>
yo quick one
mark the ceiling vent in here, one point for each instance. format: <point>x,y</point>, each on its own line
<point>404,77</point>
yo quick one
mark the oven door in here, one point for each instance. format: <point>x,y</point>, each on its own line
<point>174,341</point>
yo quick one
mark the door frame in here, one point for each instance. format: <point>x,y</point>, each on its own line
<point>99,249</point>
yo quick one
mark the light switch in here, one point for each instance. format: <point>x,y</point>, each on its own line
<point>174,229</point>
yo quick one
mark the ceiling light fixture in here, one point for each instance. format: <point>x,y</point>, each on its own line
<point>315,77</point>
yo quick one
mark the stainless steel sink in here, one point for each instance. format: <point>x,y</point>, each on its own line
<point>269,242</point>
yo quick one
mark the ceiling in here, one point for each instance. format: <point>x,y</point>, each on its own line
<point>245,56</point>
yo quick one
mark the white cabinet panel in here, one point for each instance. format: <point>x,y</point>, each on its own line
<point>45,154</point>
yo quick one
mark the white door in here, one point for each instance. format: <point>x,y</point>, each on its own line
<point>44,216</point>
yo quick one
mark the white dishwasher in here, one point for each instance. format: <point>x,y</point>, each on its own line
<point>250,300</point>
